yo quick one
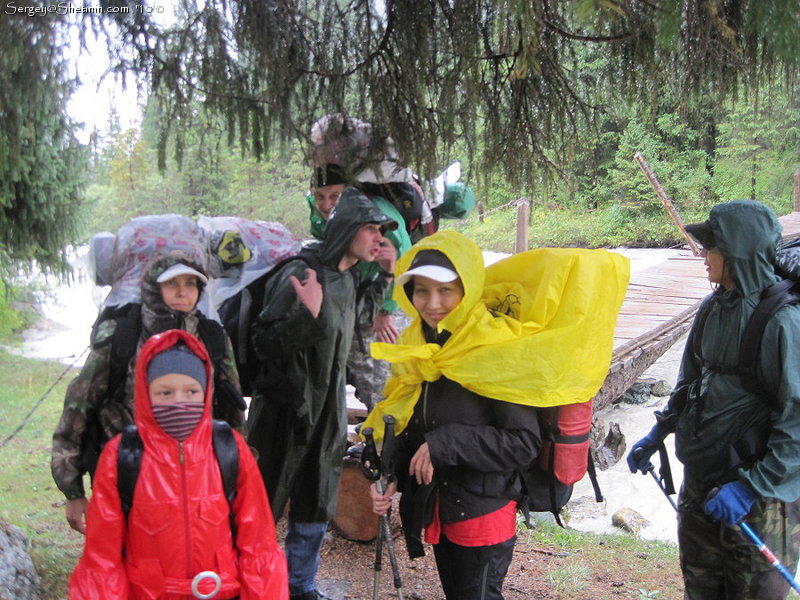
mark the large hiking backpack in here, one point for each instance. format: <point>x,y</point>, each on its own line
<point>228,403</point>
<point>403,196</point>
<point>448,196</point>
<point>129,462</point>
<point>564,458</point>
<point>239,312</point>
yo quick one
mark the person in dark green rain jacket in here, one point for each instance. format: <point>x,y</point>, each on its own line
<point>740,447</point>
<point>378,317</point>
<point>298,420</point>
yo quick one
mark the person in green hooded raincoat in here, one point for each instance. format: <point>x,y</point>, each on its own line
<point>298,419</point>
<point>740,447</point>
<point>378,313</point>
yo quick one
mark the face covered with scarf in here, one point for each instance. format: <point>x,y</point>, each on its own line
<point>177,386</point>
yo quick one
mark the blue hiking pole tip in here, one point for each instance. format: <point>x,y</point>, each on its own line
<point>768,554</point>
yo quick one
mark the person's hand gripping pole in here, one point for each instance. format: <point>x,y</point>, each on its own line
<point>380,469</point>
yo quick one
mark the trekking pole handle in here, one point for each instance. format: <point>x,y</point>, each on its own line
<point>370,462</point>
<point>770,556</point>
<point>637,455</point>
<point>387,453</point>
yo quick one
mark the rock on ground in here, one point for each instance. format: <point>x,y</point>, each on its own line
<point>18,577</point>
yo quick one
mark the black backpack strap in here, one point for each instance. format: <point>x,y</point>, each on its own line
<point>228,458</point>
<point>592,470</point>
<point>697,329</point>
<point>129,461</point>
<point>772,299</point>
<point>212,335</point>
<point>665,471</point>
<point>123,348</point>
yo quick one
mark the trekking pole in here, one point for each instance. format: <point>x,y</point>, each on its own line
<point>370,464</point>
<point>762,547</point>
<point>387,476</point>
<point>771,558</point>
<point>381,470</point>
<point>652,470</point>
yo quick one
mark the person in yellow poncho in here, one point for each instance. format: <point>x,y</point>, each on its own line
<point>465,380</point>
<point>458,456</point>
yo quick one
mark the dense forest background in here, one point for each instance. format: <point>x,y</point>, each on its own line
<point>749,148</point>
<point>542,100</point>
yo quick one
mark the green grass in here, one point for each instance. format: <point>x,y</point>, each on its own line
<point>552,226</point>
<point>582,566</point>
<point>28,496</point>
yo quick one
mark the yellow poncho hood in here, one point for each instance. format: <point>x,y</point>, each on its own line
<point>535,328</point>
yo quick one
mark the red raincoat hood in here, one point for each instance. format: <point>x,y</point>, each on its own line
<point>148,427</point>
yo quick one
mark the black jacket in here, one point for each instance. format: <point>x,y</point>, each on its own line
<point>477,446</point>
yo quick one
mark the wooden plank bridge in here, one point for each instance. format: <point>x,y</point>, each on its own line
<point>658,309</point>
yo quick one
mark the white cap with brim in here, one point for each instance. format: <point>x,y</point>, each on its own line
<point>180,269</point>
<point>431,264</point>
<point>440,274</point>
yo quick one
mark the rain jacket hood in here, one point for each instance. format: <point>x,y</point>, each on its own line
<point>156,315</point>
<point>534,329</point>
<point>747,234</point>
<point>148,427</point>
<point>352,211</point>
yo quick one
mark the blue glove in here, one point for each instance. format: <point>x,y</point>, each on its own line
<point>731,503</point>
<point>641,451</point>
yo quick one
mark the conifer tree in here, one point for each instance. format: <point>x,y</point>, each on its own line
<point>42,165</point>
<point>504,76</point>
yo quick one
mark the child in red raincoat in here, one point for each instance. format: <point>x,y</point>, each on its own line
<point>179,522</point>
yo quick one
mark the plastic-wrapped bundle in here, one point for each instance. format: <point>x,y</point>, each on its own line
<point>350,143</point>
<point>268,243</point>
<point>138,240</point>
<point>99,258</point>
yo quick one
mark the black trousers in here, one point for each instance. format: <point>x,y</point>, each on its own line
<point>473,573</point>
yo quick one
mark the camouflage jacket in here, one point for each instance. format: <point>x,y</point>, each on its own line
<point>93,414</point>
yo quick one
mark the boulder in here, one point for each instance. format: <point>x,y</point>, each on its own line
<point>18,577</point>
<point>638,393</point>
<point>642,389</point>
<point>661,388</point>
<point>629,520</point>
<point>611,449</point>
